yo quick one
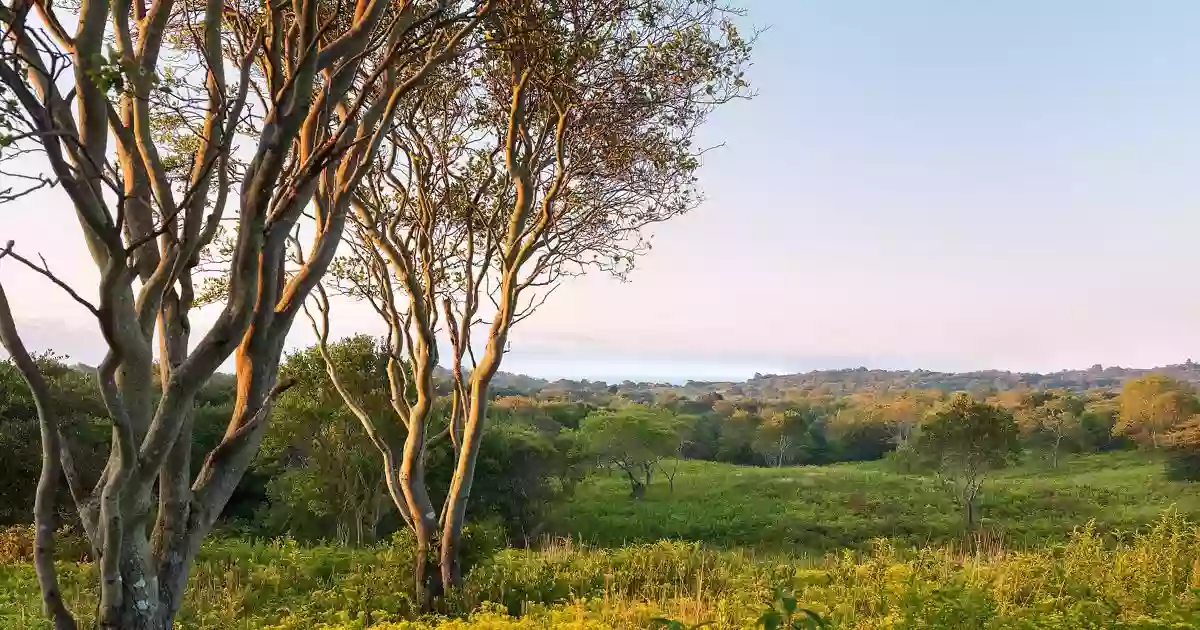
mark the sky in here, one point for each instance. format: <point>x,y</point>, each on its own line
<point>920,184</point>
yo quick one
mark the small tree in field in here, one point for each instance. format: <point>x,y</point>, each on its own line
<point>685,427</point>
<point>634,439</point>
<point>965,439</point>
<point>1053,420</point>
<point>782,437</point>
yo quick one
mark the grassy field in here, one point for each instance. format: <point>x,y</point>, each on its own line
<point>863,547</point>
<point>818,509</point>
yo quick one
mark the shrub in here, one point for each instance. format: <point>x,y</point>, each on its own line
<point>521,473</point>
<point>16,545</point>
<point>1183,466</point>
<point>904,459</point>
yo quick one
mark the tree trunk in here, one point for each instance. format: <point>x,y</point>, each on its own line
<point>425,576</point>
<point>970,506</point>
<point>460,486</point>
<point>464,472</point>
<point>636,488</point>
<point>140,606</point>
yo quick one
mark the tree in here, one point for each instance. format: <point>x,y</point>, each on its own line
<point>325,480</point>
<point>546,154</point>
<point>634,438</point>
<point>965,439</point>
<point>1101,412</point>
<point>524,470</point>
<point>77,404</point>
<point>860,433</point>
<point>140,141</point>
<point>704,437</point>
<point>686,427</point>
<point>1183,448</point>
<point>1053,418</point>
<point>1150,406</point>
<point>738,430</point>
<point>903,413</point>
<point>781,437</point>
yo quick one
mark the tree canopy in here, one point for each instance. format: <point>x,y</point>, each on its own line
<point>965,439</point>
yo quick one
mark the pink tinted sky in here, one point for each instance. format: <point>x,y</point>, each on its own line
<point>920,184</point>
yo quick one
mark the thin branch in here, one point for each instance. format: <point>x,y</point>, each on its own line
<point>45,271</point>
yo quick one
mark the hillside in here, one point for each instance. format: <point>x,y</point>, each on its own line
<point>761,529</point>
<point>818,509</point>
<point>848,381</point>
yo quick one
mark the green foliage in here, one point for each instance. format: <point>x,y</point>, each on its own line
<point>17,545</point>
<point>634,438</point>
<point>1152,405</point>
<point>845,506</point>
<point>1147,580</point>
<point>1183,445</point>
<point>323,479</point>
<point>835,421</point>
<point>1183,466</point>
<point>862,436</point>
<point>522,471</point>
<point>777,388</point>
<point>964,440</point>
<point>785,614</point>
<point>75,403</point>
<point>964,435</point>
<point>1052,422</point>
<point>786,437</point>
<point>674,624</point>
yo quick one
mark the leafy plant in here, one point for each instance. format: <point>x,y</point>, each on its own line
<point>785,613</point>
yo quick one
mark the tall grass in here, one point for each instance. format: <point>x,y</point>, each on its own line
<point>1092,545</point>
<point>1150,580</point>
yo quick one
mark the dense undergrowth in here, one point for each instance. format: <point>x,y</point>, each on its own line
<point>1092,576</point>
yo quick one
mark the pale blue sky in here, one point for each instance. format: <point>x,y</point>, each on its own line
<point>928,183</point>
<point>938,184</point>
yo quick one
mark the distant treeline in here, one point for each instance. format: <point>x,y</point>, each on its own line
<point>317,475</point>
<point>855,380</point>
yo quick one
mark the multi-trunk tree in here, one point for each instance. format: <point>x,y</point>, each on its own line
<point>181,132</point>
<point>782,436</point>
<point>1051,418</point>
<point>545,153</point>
<point>635,439</point>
